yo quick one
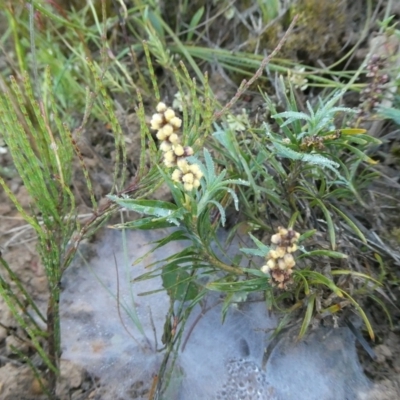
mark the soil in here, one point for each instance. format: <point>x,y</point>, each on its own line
<point>18,247</point>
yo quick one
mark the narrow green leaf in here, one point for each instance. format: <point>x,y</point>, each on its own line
<point>351,224</point>
<point>178,283</point>
<point>151,207</point>
<point>173,237</point>
<point>308,315</point>
<point>320,279</point>
<point>320,253</point>
<point>363,315</point>
<point>329,222</point>
<point>221,211</point>
<point>384,308</point>
<point>146,223</point>
<point>250,285</point>
<point>194,22</point>
<point>355,273</point>
<point>306,286</point>
<point>210,165</point>
<point>253,252</point>
<point>261,246</point>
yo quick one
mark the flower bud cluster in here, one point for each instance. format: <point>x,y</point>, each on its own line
<point>371,95</point>
<point>167,125</point>
<point>280,260</point>
<point>188,174</point>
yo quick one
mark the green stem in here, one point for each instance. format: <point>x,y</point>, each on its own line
<point>227,268</point>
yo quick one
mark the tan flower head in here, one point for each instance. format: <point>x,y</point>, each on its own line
<point>167,125</point>
<point>174,138</point>
<point>196,171</point>
<point>169,114</point>
<point>178,150</point>
<point>156,121</point>
<point>196,183</point>
<point>280,260</point>
<point>161,107</point>
<point>165,146</point>
<point>183,165</point>
<point>177,175</point>
<point>188,174</point>
<point>176,122</point>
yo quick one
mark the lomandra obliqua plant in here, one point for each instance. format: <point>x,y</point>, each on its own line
<point>305,152</point>
<point>204,183</point>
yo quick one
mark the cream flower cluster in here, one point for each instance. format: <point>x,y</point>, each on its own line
<point>280,261</point>
<point>167,125</point>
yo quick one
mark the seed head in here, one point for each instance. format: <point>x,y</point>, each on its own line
<point>169,156</point>
<point>195,169</point>
<point>169,114</point>
<point>280,260</point>
<point>176,122</point>
<point>161,107</point>
<point>196,183</point>
<point>165,146</point>
<point>265,269</point>
<point>161,135</point>
<point>176,175</point>
<point>289,261</point>
<point>174,138</point>
<point>188,151</point>
<point>156,121</point>
<point>183,165</point>
<point>188,178</point>
<point>178,150</point>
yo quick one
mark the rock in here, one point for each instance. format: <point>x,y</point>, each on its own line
<point>71,378</point>
<point>16,382</point>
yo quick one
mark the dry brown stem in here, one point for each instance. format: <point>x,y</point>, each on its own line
<point>246,84</point>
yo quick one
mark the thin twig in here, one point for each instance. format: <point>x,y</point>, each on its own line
<point>246,84</point>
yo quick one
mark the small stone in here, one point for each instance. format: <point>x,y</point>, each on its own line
<point>5,208</point>
<point>13,342</point>
<point>382,353</point>
<point>36,388</point>
<point>3,334</point>
<point>71,377</point>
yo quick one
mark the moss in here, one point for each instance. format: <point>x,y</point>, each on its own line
<point>318,34</point>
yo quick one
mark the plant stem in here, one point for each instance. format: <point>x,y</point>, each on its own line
<point>246,84</point>
<point>227,268</point>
